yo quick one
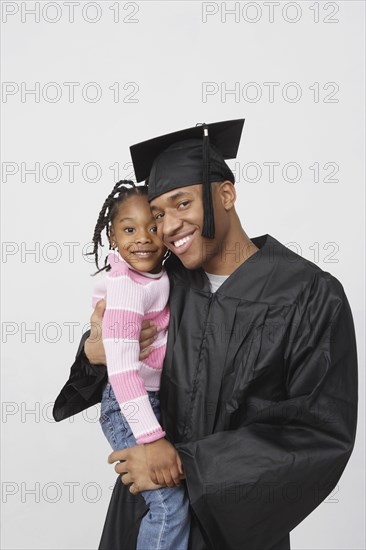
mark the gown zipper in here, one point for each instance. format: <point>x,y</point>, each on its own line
<point>195,380</point>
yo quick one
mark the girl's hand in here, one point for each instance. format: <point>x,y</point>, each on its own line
<point>147,336</point>
<point>93,347</point>
<point>163,462</point>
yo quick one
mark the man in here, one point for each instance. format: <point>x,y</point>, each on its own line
<point>259,386</point>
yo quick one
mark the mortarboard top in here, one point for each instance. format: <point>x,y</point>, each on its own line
<point>188,157</point>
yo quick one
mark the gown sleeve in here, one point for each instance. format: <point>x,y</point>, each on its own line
<point>83,389</point>
<point>252,485</point>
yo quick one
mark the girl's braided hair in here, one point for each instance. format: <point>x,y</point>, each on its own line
<point>122,190</point>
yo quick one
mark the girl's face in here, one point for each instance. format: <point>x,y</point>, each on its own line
<point>133,231</point>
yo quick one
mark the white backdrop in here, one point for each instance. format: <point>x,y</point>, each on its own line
<point>81,82</point>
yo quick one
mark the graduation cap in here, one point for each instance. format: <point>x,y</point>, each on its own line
<point>189,157</point>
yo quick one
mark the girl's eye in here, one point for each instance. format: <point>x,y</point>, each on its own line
<point>129,229</point>
<point>153,229</point>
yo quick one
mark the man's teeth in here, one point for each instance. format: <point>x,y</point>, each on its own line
<point>182,241</point>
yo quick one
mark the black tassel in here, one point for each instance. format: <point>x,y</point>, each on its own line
<point>208,230</point>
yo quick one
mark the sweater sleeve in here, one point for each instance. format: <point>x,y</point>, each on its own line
<point>126,302</point>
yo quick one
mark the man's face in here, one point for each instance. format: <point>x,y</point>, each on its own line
<point>179,220</point>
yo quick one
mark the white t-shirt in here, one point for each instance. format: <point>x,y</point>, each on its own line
<point>216,280</point>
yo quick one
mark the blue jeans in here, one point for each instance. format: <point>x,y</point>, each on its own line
<point>166,526</point>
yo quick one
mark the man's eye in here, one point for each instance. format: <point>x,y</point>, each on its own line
<point>129,229</point>
<point>159,216</point>
<point>183,204</point>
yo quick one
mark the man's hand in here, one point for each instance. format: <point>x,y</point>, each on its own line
<point>134,469</point>
<point>147,336</point>
<point>163,462</point>
<point>93,347</point>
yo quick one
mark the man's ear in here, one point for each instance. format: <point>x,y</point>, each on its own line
<point>227,193</point>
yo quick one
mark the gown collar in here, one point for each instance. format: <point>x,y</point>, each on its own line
<point>246,282</point>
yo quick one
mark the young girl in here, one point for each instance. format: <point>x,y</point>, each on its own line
<point>136,287</point>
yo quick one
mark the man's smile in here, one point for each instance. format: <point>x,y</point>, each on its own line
<point>180,243</point>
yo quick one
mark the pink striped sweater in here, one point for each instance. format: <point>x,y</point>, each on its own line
<point>132,296</point>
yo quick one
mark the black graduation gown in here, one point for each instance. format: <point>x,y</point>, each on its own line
<point>259,396</point>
